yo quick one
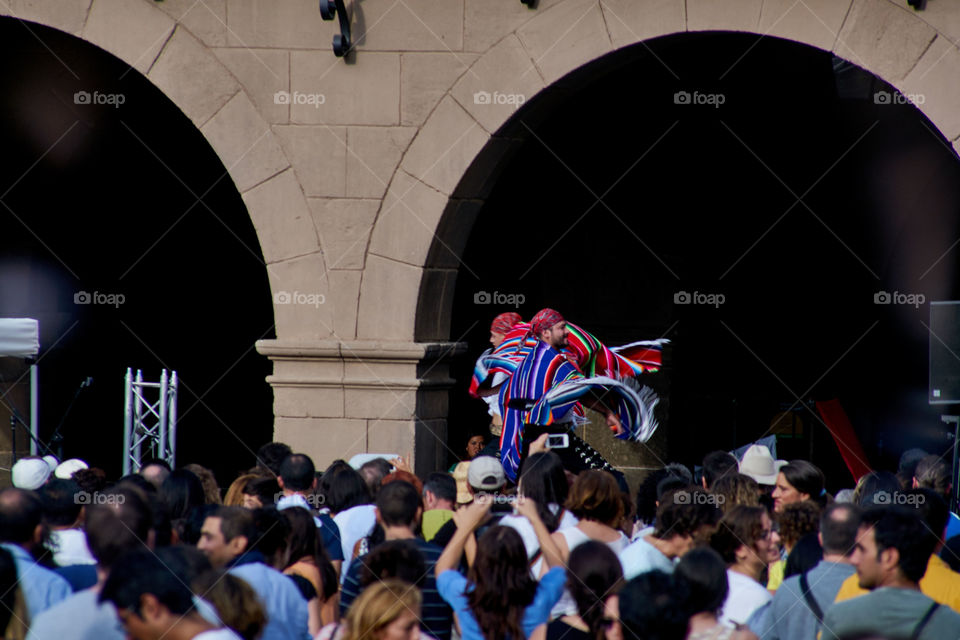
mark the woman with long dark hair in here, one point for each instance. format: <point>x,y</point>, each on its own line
<point>499,598</point>
<point>798,481</point>
<point>593,573</point>
<point>344,491</point>
<point>543,480</point>
<point>307,558</point>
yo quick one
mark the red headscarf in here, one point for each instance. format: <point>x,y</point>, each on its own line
<point>544,319</point>
<point>504,322</point>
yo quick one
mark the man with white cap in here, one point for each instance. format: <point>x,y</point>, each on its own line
<point>32,472</point>
<point>67,468</point>
<point>485,475</point>
<point>758,463</point>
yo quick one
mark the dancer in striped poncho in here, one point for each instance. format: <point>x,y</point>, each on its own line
<point>548,389</point>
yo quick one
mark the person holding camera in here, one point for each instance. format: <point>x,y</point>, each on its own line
<point>498,597</point>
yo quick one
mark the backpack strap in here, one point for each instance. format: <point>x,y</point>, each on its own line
<point>924,620</point>
<point>808,596</point>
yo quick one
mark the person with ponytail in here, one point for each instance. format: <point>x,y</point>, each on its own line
<point>798,481</point>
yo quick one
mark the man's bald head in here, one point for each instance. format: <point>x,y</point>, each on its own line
<point>838,528</point>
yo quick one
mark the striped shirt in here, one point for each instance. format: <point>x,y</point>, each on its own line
<point>436,617</point>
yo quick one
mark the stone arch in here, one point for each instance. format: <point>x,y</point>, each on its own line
<point>184,68</point>
<point>436,191</point>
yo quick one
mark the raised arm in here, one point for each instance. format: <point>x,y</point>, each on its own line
<point>466,518</point>
<point>548,548</point>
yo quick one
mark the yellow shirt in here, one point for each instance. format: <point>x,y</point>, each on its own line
<point>775,575</point>
<point>939,582</point>
<point>432,521</point>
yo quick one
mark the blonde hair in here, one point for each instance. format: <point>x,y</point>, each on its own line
<point>379,605</point>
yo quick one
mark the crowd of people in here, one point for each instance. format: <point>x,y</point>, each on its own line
<point>519,540</point>
<point>748,548</point>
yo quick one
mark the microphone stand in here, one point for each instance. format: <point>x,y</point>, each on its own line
<point>14,419</point>
<point>56,439</point>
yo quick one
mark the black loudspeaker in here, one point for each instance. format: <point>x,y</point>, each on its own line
<point>944,353</point>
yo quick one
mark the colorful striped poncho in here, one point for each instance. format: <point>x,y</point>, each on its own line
<point>546,388</point>
<point>590,356</point>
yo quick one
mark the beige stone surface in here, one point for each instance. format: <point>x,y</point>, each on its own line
<point>192,77</point>
<point>319,157</point>
<point>380,401</point>
<point>300,293</point>
<point>407,219</point>
<point>436,304</point>
<point>373,154</point>
<point>487,21</point>
<point>281,218</point>
<point>410,25</point>
<point>207,20</point>
<point>630,21</point>
<point>445,147</point>
<point>344,295</point>
<point>942,16</point>
<point>424,80</point>
<point>244,143</point>
<point>135,32</point>
<point>387,301</point>
<point>813,22</point>
<point>934,85</point>
<point>394,436</point>
<point>309,401</point>
<point>293,24</point>
<point>323,439</point>
<point>66,16</point>
<point>344,226</point>
<point>498,84</point>
<point>565,37</point>
<point>364,92</point>
<point>708,15</point>
<point>883,38</point>
<point>264,73</point>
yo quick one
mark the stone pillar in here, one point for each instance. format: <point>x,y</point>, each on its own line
<point>334,399</point>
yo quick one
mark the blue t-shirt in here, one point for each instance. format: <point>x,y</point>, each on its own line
<point>452,586</point>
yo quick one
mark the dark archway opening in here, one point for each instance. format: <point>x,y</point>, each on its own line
<point>124,197</point>
<point>702,196</point>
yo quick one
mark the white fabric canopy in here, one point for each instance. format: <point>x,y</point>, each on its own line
<point>19,337</point>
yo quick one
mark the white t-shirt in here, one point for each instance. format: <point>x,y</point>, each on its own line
<point>746,596</point>
<point>641,557</point>
<point>529,536</point>
<point>71,547</point>
<point>354,523</point>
